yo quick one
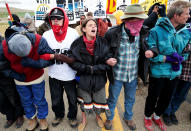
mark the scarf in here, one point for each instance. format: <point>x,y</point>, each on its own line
<point>89,45</point>
<point>60,31</point>
<point>134,27</point>
<point>131,38</point>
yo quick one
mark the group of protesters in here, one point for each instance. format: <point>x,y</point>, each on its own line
<point>81,60</point>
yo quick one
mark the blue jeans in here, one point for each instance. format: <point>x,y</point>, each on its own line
<point>179,96</point>
<point>33,98</point>
<point>129,93</point>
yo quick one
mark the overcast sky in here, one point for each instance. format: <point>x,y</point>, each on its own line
<point>28,4</point>
<point>22,4</point>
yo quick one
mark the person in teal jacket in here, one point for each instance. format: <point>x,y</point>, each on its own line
<point>170,35</point>
<point>168,40</point>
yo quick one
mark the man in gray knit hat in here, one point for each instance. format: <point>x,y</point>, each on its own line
<point>28,54</point>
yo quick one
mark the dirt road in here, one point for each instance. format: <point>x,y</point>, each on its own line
<point>118,123</point>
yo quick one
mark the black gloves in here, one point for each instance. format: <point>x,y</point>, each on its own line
<point>63,58</point>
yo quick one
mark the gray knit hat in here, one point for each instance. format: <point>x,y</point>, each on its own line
<point>20,45</point>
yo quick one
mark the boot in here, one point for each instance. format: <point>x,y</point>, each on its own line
<point>8,123</point>
<point>32,124</point>
<point>43,125</point>
<point>19,122</point>
<point>57,121</point>
<point>130,124</point>
<point>108,124</point>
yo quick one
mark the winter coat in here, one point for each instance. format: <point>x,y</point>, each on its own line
<point>168,40</point>
<point>151,20</point>
<point>95,79</point>
<point>4,64</point>
<point>30,24</point>
<point>113,36</point>
<point>27,68</point>
<point>43,28</point>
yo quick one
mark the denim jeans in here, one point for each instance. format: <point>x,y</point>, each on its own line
<point>179,96</point>
<point>129,93</point>
<point>33,98</point>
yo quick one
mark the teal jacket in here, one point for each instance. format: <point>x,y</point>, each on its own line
<point>168,40</point>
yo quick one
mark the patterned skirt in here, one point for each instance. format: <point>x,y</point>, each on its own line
<point>93,102</point>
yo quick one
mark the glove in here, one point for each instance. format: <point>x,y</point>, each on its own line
<point>177,56</point>
<point>180,59</point>
<point>176,66</point>
<point>63,58</point>
<point>172,58</point>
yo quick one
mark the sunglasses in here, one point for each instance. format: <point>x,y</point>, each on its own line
<point>56,17</point>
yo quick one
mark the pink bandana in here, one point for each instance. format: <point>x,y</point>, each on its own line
<point>134,27</point>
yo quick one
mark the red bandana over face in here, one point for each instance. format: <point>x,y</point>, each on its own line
<point>60,31</point>
<point>134,27</point>
<point>57,29</point>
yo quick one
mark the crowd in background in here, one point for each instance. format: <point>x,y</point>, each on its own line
<point>155,47</point>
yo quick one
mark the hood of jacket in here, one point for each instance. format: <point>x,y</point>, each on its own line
<point>166,24</point>
<point>64,26</point>
<point>11,31</point>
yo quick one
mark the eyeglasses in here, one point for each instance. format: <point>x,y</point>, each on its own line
<point>56,17</point>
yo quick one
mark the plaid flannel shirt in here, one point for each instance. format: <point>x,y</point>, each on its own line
<point>186,66</point>
<point>127,65</point>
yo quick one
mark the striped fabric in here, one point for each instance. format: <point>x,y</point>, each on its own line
<point>89,106</point>
<point>127,65</point>
<point>101,106</point>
